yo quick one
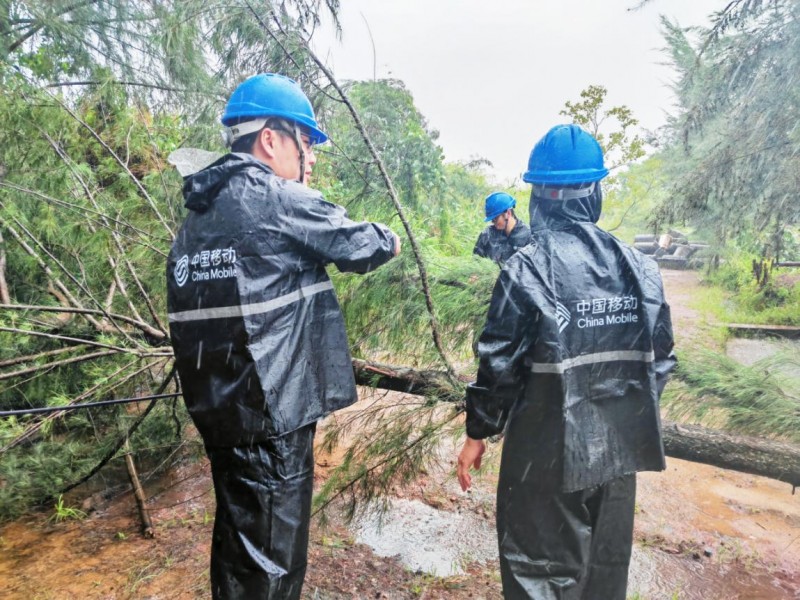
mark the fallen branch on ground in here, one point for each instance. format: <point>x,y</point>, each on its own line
<point>755,456</point>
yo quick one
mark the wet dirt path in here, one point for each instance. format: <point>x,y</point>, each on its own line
<point>701,533</point>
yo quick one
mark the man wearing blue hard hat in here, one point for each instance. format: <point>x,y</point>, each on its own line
<point>506,234</point>
<point>573,359</point>
<point>259,338</point>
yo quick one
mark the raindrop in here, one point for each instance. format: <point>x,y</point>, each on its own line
<point>527,469</point>
<point>199,354</point>
<point>228,358</point>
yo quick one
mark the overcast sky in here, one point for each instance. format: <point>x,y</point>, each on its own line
<point>493,76</point>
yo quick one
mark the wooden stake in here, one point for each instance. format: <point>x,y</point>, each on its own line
<point>138,492</point>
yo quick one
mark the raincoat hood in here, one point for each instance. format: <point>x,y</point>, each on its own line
<point>201,188</point>
<point>546,213</point>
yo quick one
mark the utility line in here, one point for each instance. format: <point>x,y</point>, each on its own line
<point>51,409</point>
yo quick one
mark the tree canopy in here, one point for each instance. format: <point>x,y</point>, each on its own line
<point>735,154</point>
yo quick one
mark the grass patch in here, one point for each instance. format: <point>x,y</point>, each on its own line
<point>715,390</point>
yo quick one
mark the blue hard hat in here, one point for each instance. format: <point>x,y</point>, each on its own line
<point>498,203</point>
<point>272,95</point>
<point>565,155</point>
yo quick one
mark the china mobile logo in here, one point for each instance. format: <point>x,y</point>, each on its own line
<point>562,316</point>
<point>181,272</point>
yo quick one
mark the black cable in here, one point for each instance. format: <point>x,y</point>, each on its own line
<point>52,409</point>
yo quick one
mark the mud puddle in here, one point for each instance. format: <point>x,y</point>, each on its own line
<point>427,539</point>
<point>444,543</point>
<point>658,575</point>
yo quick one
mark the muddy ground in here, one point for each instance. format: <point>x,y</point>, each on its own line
<point>701,532</point>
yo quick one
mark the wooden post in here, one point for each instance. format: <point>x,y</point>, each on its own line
<point>138,492</point>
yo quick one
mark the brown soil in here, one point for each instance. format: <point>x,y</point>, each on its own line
<point>707,533</point>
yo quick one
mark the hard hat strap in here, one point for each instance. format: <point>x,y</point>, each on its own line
<point>561,193</point>
<point>234,132</point>
<point>299,141</point>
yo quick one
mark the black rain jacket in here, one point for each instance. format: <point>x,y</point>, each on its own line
<point>499,247</point>
<point>258,334</point>
<point>575,353</point>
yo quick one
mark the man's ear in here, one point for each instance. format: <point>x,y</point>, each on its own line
<point>266,142</point>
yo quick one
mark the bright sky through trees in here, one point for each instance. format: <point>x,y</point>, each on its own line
<point>492,77</point>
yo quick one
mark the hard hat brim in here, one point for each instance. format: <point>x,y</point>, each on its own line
<point>564,177</point>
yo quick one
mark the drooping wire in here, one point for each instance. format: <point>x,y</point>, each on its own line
<point>51,409</point>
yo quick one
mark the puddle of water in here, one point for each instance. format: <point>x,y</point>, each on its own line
<point>656,575</point>
<point>442,543</point>
<point>426,539</point>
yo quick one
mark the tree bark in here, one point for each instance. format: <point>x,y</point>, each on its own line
<point>756,456</point>
<point>407,380</point>
<point>5,296</point>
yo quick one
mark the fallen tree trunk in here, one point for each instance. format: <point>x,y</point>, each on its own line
<point>754,456</point>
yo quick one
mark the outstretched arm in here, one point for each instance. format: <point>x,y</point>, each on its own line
<point>323,230</point>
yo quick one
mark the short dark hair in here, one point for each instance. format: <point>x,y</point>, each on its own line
<point>246,142</point>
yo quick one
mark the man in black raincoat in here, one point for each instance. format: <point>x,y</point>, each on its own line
<point>573,358</point>
<point>506,234</point>
<point>259,338</point>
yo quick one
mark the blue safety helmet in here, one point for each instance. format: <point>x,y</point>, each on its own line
<point>272,95</point>
<point>566,155</point>
<point>498,203</point>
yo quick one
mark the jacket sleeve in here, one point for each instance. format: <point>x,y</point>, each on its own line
<point>510,328</point>
<point>663,343</point>
<point>323,230</point>
<point>480,248</point>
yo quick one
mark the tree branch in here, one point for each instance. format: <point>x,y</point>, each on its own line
<point>55,364</point>
<point>116,158</point>
<point>386,179</point>
<point>88,311</point>
<point>125,436</point>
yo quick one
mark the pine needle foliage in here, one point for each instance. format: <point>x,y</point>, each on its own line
<point>759,400</point>
<point>386,445</point>
<point>94,96</point>
<point>735,158</point>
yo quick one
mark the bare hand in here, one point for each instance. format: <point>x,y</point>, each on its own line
<point>470,456</point>
<point>396,244</point>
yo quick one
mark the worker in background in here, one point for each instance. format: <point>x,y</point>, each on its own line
<point>506,234</point>
<point>573,359</point>
<point>259,338</point>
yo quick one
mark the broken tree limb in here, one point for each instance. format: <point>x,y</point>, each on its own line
<point>404,379</point>
<point>755,456</point>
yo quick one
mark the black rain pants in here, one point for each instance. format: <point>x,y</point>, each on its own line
<point>260,542</point>
<point>565,546</point>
